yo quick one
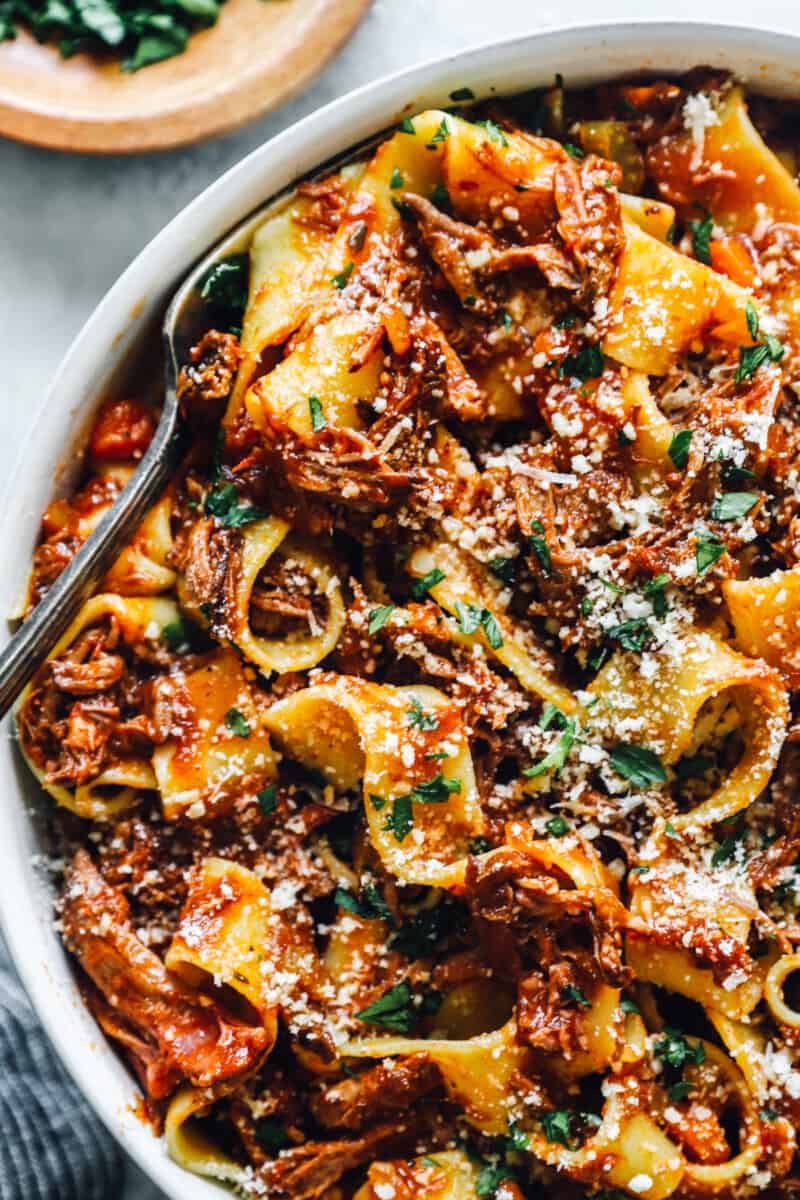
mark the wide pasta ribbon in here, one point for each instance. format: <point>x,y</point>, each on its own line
<point>411,750</point>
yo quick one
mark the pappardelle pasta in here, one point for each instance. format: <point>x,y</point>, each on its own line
<point>425,768</point>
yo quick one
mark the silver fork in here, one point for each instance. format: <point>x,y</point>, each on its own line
<point>36,637</point>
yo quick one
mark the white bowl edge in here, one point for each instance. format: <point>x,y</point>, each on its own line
<point>765,58</point>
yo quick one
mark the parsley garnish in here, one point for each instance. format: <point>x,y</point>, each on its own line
<point>701,238</point>
<point>371,907</point>
<point>752,357</point>
<point>225,287</point>
<point>751,316</point>
<point>637,764</point>
<point>419,718</point>
<point>586,364</point>
<point>340,281</point>
<point>540,547</point>
<point>401,819</point>
<point>555,760</point>
<point>471,618</point>
<point>268,799</point>
<point>674,1049</point>
<point>378,802</point>
<point>318,419</point>
<point>556,826</point>
<point>406,126</point>
<point>223,504</point>
<point>726,848</point>
<point>627,1005</point>
<point>395,1010</point>
<point>671,831</point>
<point>632,634</point>
<point>440,196</point>
<point>654,590</point>
<point>441,135</point>
<point>556,1125</point>
<point>730,506</point>
<point>420,587</point>
<point>490,1177</point>
<point>436,790</point>
<point>418,936</point>
<point>707,550</point>
<point>237,723</point>
<point>176,636</point>
<point>551,714</point>
<point>378,617</point>
<point>573,151</point>
<point>572,994</point>
<point>504,568</point>
<point>769,1114</point>
<point>679,448</point>
<point>396,180</point>
<point>494,131</point>
<point>680,1090</point>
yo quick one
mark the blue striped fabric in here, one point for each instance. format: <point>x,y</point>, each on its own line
<point>52,1146</point>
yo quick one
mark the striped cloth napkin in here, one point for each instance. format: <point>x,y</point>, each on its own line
<point>52,1146</point>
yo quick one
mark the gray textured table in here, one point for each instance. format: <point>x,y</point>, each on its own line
<point>69,225</point>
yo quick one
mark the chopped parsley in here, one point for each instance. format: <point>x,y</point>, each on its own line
<point>396,180</point>
<point>237,723</point>
<point>654,591</point>
<point>707,550</point>
<point>573,151</point>
<point>586,364</point>
<point>224,288</point>
<point>679,448</point>
<point>420,587</point>
<point>540,547</point>
<point>223,504</point>
<point>752,357</point>
<point>371,907</point>
<point>726,849</point>
<point>637,764</point>
<point>318,419</point>
<point>471,618</point>
<point>556,826</point>
<point>340,280</point>
<point>679,1090</point>
<point>378,802</point>
<point>400,820</point>
<point>555,760</point>
<point>751,316</point>
<point>268,799</point>
<point>440,196</point>
<point>419,718</point>
<point>671,831</point>
<point>552,714</point>
<point>627,1005</point>
<point>557,1125</point>
<point>573,995</point>
<point>632,634</point>
<point>677,1051</point>
<point>441,135</point>
<point>730,506</point>
<point>397,1010</point>
<point>176,636</point>
<point>378,617</point>
<point>701,238</point>
<point>406,126</point>
<point>495,133</point>
<point>505,569</point>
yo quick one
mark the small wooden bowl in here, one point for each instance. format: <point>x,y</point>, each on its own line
<point>258,54</point>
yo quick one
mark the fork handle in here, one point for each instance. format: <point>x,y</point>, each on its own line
<point>30,645</point>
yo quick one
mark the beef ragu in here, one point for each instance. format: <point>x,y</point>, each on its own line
<point>426,767</point>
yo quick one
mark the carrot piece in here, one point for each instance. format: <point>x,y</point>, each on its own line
<point>730,257</point>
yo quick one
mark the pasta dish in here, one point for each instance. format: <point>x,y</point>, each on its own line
<point>425,768</point>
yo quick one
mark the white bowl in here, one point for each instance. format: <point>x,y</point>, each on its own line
<point>766,60</point>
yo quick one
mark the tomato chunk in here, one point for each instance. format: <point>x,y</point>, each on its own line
<point>122,431</point>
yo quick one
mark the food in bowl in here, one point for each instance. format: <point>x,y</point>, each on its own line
<point>424,766</point>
